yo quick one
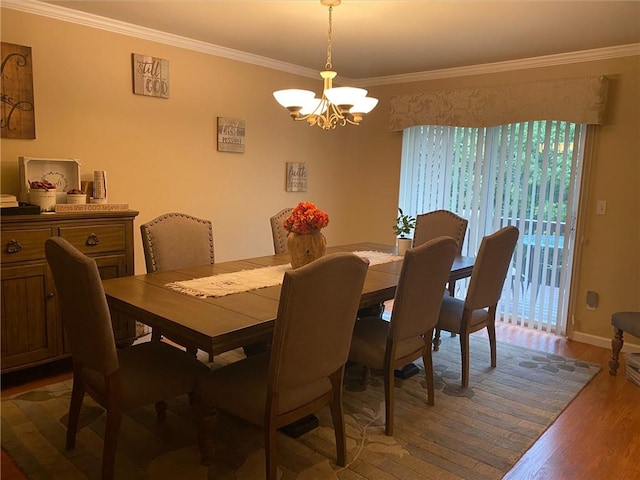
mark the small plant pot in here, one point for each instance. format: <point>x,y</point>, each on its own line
<point>403,244</point>
<point>45,199</point>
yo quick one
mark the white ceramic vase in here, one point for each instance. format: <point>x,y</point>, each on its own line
<point>403,244</point>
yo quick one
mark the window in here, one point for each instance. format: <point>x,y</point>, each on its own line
<point>522,174</point>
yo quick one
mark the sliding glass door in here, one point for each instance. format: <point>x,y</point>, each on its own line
<point>524,174</point>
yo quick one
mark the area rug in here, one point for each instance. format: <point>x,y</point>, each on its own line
<point>473,433</point>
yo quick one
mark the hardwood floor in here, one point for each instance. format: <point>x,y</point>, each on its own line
<point>598,434</point>
<point>596,437</point>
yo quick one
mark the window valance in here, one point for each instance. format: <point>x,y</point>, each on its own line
<point>576,100</point>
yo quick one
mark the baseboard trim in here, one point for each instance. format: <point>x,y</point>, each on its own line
<point>628,347</point>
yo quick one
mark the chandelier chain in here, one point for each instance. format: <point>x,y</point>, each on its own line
<point>328,64</point>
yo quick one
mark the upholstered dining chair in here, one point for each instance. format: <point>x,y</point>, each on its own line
<point>439,223</point>
<point>118,380</point>
<point>478,309</point>
<point>278,231</point>
<point>305,367</point>
<point>176,240</point>
<point>622,322</point>
<point>384,345</point>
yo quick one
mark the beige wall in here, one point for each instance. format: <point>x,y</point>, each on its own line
<point>161,155</point>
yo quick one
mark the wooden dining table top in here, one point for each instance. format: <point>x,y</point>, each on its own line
<point>219,324</point>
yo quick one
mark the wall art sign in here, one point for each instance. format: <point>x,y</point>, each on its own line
<point>150,76</point>
<point>17,115</point>
<point>231,134</point>
<point>296,177</point>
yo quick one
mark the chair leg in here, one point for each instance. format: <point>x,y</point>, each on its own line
<point>337,414</point>
<point>389,385</point>
<point>436,340</point>
<point>616,346</point>
<point>452,293</point>
<point>491,331</point>
<point>427,359</point>
<point>112,429</point>
<point>271,465</point>
<point>464,352</point>
<point>77,395</point>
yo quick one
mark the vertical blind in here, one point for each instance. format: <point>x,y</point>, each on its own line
<point>523,174</point>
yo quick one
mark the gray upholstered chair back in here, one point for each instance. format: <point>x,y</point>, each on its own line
<point>425,271</point>
<point>440,223</point>
<point>85,313</point>
<point>491,267</point>
<point>278,231</point>
<point>313,343</point>
<point>177,240</point>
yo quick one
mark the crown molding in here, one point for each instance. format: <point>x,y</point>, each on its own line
<point>522,64</point>
<point>123,28</point>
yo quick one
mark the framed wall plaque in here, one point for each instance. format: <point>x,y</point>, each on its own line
<point>150,76</point>
<point>296,177</point>
<point>231,133</point>
<point>17,116</point>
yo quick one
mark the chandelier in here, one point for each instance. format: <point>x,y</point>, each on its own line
<point>337,106</point>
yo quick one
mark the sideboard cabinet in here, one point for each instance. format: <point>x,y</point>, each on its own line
<point>32,332</point>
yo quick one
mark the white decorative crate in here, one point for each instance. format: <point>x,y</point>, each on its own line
<point>64,173</point>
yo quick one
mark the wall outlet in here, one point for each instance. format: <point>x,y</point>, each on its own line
<point>601,207</point>
<point>592,300</point>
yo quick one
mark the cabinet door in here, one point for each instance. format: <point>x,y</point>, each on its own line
<point>114,266</point>
<point>29,325</point>
<point>111,266</point>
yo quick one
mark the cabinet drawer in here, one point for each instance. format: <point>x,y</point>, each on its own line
<point>96,238</point>
<point>21,245</point>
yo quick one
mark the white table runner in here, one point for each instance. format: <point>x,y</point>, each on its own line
<point>245,280</point>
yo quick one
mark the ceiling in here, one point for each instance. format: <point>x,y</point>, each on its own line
<point>378,38</point>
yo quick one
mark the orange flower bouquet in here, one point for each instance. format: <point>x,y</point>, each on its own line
<point>305,218</point>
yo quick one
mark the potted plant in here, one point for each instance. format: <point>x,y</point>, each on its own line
<point>403,227</point>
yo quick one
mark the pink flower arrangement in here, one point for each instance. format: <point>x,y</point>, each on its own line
<point>306,217</point>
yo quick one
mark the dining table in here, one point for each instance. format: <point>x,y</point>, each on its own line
<point>217,324</point>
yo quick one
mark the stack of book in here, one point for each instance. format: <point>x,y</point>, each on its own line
<point>8,200</point>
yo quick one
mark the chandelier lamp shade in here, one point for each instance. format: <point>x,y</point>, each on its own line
<point>337,106</point>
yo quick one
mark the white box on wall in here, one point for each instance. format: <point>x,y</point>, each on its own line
<point>64,173</point>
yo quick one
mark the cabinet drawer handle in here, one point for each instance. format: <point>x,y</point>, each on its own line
<point>13,246</point>
<point>92,240</point>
